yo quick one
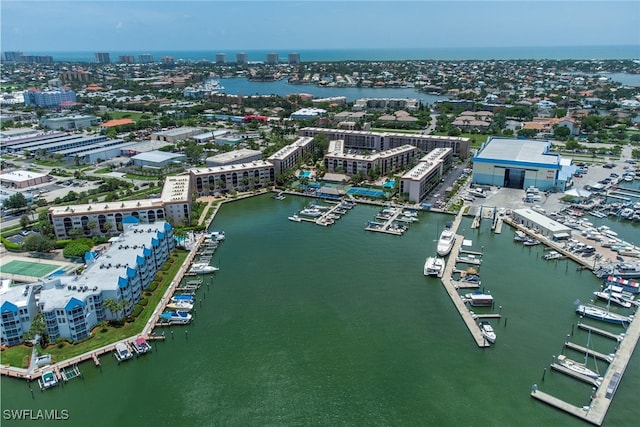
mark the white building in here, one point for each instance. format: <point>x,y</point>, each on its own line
<point>240,177</point>
<point>291,155</point>
<point>380,162</point>
<point>234,157</point>
<point>417,183</point>
<point>17,311</point>
<point>308,114</point>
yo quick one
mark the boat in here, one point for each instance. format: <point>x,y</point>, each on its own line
<point>180,305</point>
<point>577,367</point>
<point>47,380</point>
<point>531,242</point>
<point>176,317</point>
<point>312,212</point>
<point>434,266</point>
<point>216,235</point>
<point>520,236</point>
<point>487,332</point>
<point>184,298</point>
<point>479,300</point>
<point>602,314</point>
<point>122,352</point>
<point>626,284</point>
<point>553,255</point>
<point>140,346</point>
<point>279,196</point>
<point>477,192</point>
<point>613,297</point>
<point>202,268</point>
<point>294,218</point>
<point>445,242</point>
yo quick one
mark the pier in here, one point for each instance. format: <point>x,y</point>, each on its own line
<point>596,411</point>
<point>450,286</point>
<point>584,378</point>
<point>585,350</point>
<point>602,332</point>
<point>388,225</point>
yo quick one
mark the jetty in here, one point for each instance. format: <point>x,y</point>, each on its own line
<point>389,224</point>
<point>601,332</point>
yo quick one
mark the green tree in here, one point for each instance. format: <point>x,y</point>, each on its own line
<point>37,243</point>
<point>76,249</point>
<point>15,201</point>
<point>561,132</point>
<point>25,221</point>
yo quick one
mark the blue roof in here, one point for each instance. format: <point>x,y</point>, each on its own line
<point>8,306</point>
<point>140,260</point>
<point>147,251</point>
<point>131,272</point>
<point>154,242</point>
<point>73,303</point>
<point>167,226</point>
<point>130,220</point>
<point>122,282</point>
<point>90,255</point>
<point>160,235</point>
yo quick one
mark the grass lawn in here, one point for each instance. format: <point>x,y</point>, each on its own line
<point>50,163</point>
<point>112,334</point>
<point>17,356</point>
<point>133,115</point>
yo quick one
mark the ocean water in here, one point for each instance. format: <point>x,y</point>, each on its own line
<point>308,55</point>
<point>307,325</point>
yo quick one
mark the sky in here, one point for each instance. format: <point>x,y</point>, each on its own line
<point>155,25</point>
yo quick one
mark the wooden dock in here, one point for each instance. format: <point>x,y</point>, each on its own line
<point>451,289</point>
<point>584,378</point>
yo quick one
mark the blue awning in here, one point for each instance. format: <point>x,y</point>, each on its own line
<point>73,303</point>
<point>8,306</point>
<point>140,260</point>
<point>122,282</point>
<point>131,272</point>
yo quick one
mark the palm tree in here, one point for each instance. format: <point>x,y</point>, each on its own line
<point>116,307</point>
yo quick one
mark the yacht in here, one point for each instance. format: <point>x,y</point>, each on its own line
<point>122,352</point>
<point>479,300</point>
<point>445,242</point>
<point>487,332</point>
<point>202,268</point>
<point>176,317</point>
<point>312,212</point>
<point>613,298</point>
<point>180,305</point>
<point>434,266</point>
<point>294,218</point>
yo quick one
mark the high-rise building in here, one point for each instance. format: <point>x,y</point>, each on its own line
<point>241,58</point>
<point>272,58</point>
<point>126,59</point>
<point>221,58</point>
<point>103,58</point>
<point>145,58</point>
<point>167,60</point>
<point>294,58</point>
<point>36,59</point>
<point>12,56</point>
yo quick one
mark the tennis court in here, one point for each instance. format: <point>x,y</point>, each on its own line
<point>27,268</point>
<point>367,192</point>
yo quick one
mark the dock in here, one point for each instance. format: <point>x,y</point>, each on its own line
<point>596,410</point>
<point>388,226</point>
<point>602,332</point>
<point>585,350</point>
<point>450,287</point>
<point>584,378</point>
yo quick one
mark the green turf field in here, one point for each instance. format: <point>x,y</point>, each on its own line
<point>27,268</point>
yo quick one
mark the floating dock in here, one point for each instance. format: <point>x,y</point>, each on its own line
<point>585,350</point>
<point>602,332</point>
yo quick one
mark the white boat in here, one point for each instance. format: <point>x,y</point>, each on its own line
<point>122,352</point>
<point>434,266</point>
<point>531,242</point>
<point>294,218</point>
<point>602,314</point>
<point>140,345</point>
<point>185,298</point>
<point>48,380</point>
<point>477,192</point>
<point>445,242</point>
<point>216,235</point>
<point>176,317</point>
<point>520,236</point>
<point>279,196</point>
<point>617,298</point>
<point>312,212</point>
<point>487,332</point>
<point>180,305</point>
<point>202,268</point>
<point>479,300</point>
<point>574,366</point>
<point>553,255</point>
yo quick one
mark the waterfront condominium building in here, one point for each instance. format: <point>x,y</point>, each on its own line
<point>221,58</point>
<point>242,58</point>
<point>167,60</point>
<point>272,58</point>
<point>291,155</point>
<point>94,219</point>
<point>379,162</point>
<point>49,97</point>
<point>126,59</point>
<point>17,311</point>
<point>422,178</point>
<point>13,56</point>
<point>294,58</point>
<point>145,58</point>
<point>74,304</point>
<point>367,140</point>
<point>103,58</point>
<point>240,177</point>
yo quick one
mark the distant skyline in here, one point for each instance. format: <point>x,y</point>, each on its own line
<point>154,25</point>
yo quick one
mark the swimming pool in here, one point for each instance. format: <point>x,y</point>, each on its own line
<point>304,174</point>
